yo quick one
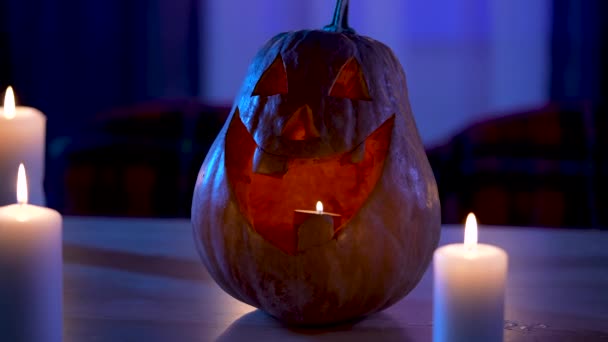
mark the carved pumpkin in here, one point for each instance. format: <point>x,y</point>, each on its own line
<point>322,115</point>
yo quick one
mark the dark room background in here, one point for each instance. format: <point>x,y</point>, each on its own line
<point>135,91</point>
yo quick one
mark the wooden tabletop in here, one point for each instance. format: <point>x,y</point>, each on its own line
<point>141,280</point>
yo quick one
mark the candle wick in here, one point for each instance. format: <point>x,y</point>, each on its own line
<point>471,249</point>
<point>21,212</point>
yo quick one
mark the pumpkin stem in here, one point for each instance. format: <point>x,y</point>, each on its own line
<point>340,20</point>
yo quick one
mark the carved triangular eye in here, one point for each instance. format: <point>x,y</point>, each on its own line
<point>273,81</point>
<point>350,82</point>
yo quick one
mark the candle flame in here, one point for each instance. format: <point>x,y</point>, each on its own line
<point>470,232</point>
<point>9,104</point>
<point>319,207</point>
<point>21,185</point>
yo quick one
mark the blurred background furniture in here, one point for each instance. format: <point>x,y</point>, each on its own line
<point>140,160</point>
<point>544,167</point>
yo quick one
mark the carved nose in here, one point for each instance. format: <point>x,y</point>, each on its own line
<point>301,125</point>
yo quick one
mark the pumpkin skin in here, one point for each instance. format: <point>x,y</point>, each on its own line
<point>322,115</point>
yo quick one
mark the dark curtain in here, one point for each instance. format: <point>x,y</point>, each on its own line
<point>5,77</point>
<point>579,51</point>
<point>579,80</point>
<point>73,59</point>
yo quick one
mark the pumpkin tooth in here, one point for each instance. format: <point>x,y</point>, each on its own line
<point>358,153</point>
<point>268,164</point>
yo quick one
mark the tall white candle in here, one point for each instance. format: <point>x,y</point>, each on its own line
<point>469,290</point>
<point>22,140</point>
<point>30,271</point>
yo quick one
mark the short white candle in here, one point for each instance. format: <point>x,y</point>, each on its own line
<point>469,290</point>
<point>22,140</point>
<point>314,227</point>
<point>30,271</point>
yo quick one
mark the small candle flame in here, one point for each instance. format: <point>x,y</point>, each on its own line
<point>9,104</point>
<point>319,207</point>
<point>470,232</point>
<point>21,185</point>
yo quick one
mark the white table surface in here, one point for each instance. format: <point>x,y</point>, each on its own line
<point>141,280</point>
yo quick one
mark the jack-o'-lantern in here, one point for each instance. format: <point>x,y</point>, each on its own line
<point>323,115</point>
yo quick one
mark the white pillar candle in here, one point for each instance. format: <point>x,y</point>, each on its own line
<point>469,290</point>
<point>30,271</point>
<point>22,140</point>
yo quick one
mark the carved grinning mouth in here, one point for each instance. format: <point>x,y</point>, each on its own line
<point>269,188</point>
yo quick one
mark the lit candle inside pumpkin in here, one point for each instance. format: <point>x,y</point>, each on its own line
<point>30,269</point>
<point>22,140</point>
<point>314,227</point>
<point>469,290</point>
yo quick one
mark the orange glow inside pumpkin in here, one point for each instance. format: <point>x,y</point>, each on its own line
<point>350,82</point>
<point>268,201</point>
<point>301,125</point>
<point>274,80</point>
